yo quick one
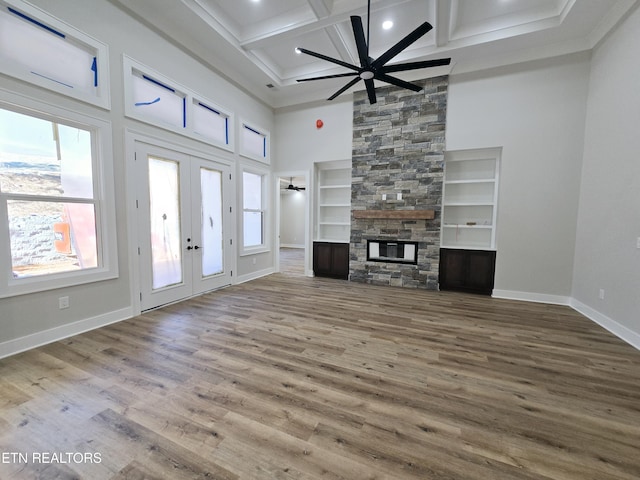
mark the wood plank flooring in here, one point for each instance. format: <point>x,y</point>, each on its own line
<point>289,377</point>
<point>292,261</point>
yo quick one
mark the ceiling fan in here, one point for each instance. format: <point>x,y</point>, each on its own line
<point>292,187</point>
<point>370,69</point>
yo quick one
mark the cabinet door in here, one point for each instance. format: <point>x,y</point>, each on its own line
<point>322,258</point>
<point>480,271</point>
<point>452,269</point>
<point>340,260</point>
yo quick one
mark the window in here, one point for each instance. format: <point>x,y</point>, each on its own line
<point>158,101</point>
<point>40,49</point>
<point>55,187</point>
<point>254,143</point>
<point>253,214</point>
<point>211,122</point>
<point>152,98</point>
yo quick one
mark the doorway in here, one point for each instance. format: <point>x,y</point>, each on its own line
<point>293,223</point>
<point>183,213</point>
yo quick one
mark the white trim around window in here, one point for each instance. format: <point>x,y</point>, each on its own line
<point>42,50</point>
<point>255,210</point>
<point>153,98</point>
<point>97,196</point>
<point>255,142</point>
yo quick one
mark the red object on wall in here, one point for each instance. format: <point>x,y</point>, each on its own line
<point>319,123</point>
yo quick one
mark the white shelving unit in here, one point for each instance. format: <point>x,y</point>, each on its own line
<point>470,198</point>
<point>333,202</point>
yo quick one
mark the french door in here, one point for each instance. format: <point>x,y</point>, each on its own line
<point>183,224</point>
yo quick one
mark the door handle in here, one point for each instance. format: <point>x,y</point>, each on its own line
<point>189,247</point>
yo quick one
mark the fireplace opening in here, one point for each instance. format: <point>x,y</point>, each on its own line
<point>392,251</point>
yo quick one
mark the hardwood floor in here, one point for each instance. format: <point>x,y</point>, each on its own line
<point>292,261</point>
<point>289,377</point>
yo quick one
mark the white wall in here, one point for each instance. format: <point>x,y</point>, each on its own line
<point>38,315</point>
<point>299,143</point>
<point>607,256</point>
<point>292,221</point>
<point>536,112</point>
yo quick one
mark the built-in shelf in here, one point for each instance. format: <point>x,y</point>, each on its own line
<point>467,204</point>
<point>395,214</point>
<point>333,218</point>
<point>470,196</point>
<point>489,227</point>
<point>459,182</point>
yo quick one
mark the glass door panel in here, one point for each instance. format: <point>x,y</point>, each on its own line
<point>164,216</point>
<point>211,222</point>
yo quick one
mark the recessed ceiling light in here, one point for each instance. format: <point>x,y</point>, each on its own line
<point>297,50</point>
<point>387,24</point>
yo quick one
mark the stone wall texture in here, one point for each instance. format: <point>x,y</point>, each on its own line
<point>398,147</point>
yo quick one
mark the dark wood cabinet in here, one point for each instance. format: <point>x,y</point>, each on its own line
<point>470,271</point>
<point>331,259</point>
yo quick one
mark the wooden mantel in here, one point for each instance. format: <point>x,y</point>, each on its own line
<point>395,214</point>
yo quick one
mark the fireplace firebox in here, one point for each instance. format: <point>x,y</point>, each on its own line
<point>392,251</point>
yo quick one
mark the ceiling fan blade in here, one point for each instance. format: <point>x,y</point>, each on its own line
<point>397,82</point>
<point>361,43</point>
<point>371,91</point>
<point>329,59</point>
<point>401,67</point>
<point>350,74</point>
<point>401,45</point>
<point>345,88</point>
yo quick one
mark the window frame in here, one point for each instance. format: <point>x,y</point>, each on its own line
<point>266,157</point>
<point>133,68</point>
<point>39,18</point>
<point>103,199</point>
<point>265,175</point>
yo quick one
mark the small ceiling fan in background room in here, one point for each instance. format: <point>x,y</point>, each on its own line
<point>376,69</point>
<point>293,188</point>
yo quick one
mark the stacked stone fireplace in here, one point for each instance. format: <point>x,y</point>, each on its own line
<point>397,167</point>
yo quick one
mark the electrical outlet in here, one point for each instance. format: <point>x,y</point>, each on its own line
<point>400,196</point>
<point>638,242</point>
<point>601,294</point>
<point>253,260</point>
<point>384,196</point>
<point>63,302</point>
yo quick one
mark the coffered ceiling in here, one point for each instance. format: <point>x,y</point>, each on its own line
<point>253,42</point>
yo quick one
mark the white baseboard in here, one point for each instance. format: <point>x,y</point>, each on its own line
<point>619,330</point>
<point>17,345</point>
<point>531,297</point>
<point>254,275</point>
<point>290,245</point>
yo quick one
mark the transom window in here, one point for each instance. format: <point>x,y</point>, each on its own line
<point>40,49</point>
<point>254,143</point>
<point>155,99</point>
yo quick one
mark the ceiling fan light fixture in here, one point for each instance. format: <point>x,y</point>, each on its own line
<point>376,69</point>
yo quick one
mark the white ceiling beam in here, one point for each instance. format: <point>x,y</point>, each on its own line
<point>444,11</point>
<point>321,8</point>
